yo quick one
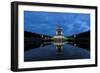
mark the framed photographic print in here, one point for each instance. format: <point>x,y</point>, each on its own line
<point>52,36</point>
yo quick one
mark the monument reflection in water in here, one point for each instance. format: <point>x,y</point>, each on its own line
<point>56,48</point>
<point>59,49</point>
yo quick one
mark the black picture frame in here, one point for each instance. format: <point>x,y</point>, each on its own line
<point>14,35</point>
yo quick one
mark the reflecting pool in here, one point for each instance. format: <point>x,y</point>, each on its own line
<point>56,51</point>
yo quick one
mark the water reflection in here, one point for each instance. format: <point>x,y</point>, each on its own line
<point>59,49</point>
<point>56,51</point>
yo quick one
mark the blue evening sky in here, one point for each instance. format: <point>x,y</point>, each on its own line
<point>46,22</point>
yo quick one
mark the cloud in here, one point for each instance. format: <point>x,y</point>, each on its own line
<point>46,22</point>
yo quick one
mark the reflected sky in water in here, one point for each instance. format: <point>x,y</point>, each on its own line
<point>50,52</point>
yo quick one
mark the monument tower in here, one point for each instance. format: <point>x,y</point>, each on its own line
<point>59,34</point>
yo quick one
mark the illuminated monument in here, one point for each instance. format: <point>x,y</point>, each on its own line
<point>59,34</point>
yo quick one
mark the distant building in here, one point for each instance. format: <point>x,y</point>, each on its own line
<point>59,31</point>
<point>59,34</point>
